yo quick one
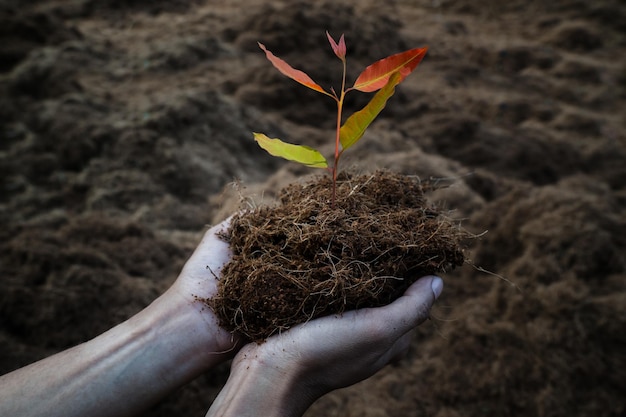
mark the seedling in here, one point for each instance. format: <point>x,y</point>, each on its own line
<point>382,76</point>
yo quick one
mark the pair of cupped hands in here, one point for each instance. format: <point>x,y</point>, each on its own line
<point>289,371</point>
<point>134,365</point>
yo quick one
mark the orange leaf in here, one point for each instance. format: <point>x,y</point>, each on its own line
<point>291,72</point>
<point>376,75</point>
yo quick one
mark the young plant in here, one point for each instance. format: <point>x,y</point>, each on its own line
<point>382,76</point>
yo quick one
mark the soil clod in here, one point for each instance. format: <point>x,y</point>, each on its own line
<point>305,259</point>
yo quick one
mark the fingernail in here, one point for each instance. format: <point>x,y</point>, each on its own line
<point>437,285</point>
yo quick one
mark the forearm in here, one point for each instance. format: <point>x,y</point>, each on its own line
<point>121,372</point>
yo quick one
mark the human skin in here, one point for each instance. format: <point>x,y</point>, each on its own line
<point>131,367</point>
<point>284,375</point>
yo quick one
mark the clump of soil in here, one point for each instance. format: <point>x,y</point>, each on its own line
<point>305,259</point>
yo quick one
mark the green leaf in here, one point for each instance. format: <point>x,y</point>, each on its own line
<point>297,153</point>
<point>354,128</point>
<point>376,75</point>
<point>291,72</point>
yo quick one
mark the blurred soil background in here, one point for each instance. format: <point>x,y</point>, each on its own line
<point>125,130</point>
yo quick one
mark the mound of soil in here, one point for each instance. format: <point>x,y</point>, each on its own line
<point>305,258</point>
<point>123,123</point>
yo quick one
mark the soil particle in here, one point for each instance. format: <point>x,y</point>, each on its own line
<point>123,123</point>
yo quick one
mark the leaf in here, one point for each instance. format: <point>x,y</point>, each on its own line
<point>354,128</point>
<point>297,153</point>
<point>340,50</point>
<point>376,75</point>
<point>291,72</point>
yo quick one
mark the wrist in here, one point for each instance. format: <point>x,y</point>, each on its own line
<point>262,383</point>
<point>191,329</point>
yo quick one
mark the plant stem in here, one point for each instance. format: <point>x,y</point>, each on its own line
<point>337,133</point>
<point>339,110</point>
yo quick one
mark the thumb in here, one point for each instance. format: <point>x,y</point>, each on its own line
<point>414,306</point>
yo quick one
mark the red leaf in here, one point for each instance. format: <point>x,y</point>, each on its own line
<point>340,50</point>
<point>291,72</point>
<point>376,75</point>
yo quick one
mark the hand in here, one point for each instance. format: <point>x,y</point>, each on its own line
<point>198,282</point>
<point>287,373</point>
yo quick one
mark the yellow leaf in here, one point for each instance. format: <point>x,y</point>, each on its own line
<point>297,153</point>
<point>354,128</point>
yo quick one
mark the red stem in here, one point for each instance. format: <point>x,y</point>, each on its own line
<point>337,134</point>
<point>336,163</point>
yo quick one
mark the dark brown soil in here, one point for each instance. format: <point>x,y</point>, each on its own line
<point>305,258</point>
<point>124,123</point>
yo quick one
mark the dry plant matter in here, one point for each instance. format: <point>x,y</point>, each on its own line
<point>304,259</point>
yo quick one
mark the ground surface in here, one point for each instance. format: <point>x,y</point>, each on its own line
<point>123,124</point>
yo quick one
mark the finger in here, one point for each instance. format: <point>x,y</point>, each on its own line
<point>212,234</point>
<point>210,254</point>
<point>412,308</point>
<point>436,286</point>
<point>212,237</point>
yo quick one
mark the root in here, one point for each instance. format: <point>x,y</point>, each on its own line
<point>302,259</point>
